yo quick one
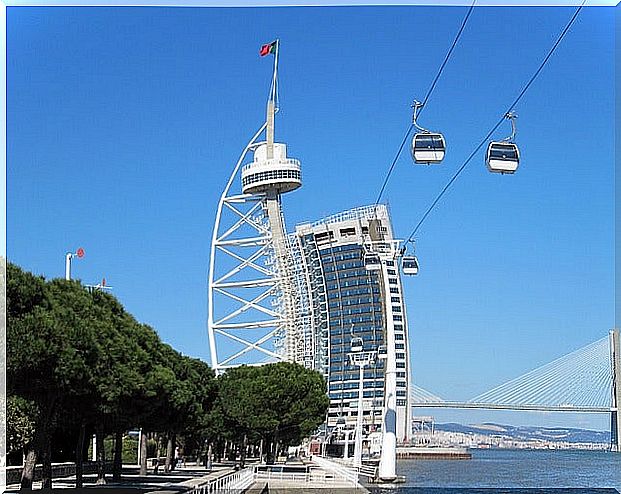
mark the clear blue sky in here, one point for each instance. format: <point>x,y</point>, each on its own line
<point>124,125</point>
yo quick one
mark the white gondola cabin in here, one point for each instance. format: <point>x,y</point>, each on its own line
<point>428,147</point>
<point>502,157</point>
<point>409,265</point>
<point>356,344</point>
<point>372,262</point>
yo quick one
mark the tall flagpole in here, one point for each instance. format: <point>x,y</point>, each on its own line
<point>271,108</point>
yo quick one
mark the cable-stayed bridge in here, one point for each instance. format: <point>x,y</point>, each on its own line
<point>587,380</point>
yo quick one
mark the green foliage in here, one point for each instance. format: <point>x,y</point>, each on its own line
<point>130,450</point>
<point>21,419</point>
<point>78,356</point>
<point>282,400</point>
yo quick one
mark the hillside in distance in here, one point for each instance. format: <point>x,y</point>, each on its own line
<point>528,433</point>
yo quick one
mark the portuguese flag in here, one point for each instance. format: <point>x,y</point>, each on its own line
<point>267,49</point>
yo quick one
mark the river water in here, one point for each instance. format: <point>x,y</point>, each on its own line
<point>512,469</point>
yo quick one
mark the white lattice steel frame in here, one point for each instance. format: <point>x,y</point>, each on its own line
<point>252,283</point>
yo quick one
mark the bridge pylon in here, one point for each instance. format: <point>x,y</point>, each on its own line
<point>615,362</point>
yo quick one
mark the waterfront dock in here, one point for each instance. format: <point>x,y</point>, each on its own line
<point>422,453</point>
<point>306,476</point>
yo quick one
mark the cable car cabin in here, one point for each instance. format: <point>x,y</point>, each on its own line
<point>356,344</point>
<point>372,262</point>
<point>428,148</point>
<point>502,157</point>
<point>409,265</point>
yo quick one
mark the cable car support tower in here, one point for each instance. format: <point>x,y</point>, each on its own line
<point>251,295</point>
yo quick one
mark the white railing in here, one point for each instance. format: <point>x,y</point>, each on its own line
<point>348,474</point>
<point>363,470</point>
<point>233,482</point>
<point>236,482</point>
<point>363,212</point>
<point>314,476</point>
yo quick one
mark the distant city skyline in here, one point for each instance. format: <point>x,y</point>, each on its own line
<point>123,125</point>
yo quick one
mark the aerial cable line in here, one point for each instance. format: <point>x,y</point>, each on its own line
<point>429,91</point>
<point>485,139</point>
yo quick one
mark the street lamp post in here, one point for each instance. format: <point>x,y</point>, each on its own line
<point>79,253</point>
<point>361,359</point>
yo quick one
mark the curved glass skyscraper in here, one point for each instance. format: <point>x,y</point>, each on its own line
<point>341,296</point>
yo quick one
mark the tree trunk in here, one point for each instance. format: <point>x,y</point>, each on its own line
<point>269,451</point>
<point>156,468</point>
<point>143,454</point>
<point>29,466</point>
<point>220,450</point>
<point>158,446</point>
<point>232,451</point>
<point>117,466</point>
<point>101,456</point>
<point>244,448</point>
<point>261,451</point>
<point>46,461</point>
<point>79,457</point>
<point>169,452</point>
<point>41,445</point>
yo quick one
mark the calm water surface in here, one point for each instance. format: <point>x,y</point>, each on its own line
<point>516,469</point>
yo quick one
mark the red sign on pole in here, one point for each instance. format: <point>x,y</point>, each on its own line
<point>80,252</point>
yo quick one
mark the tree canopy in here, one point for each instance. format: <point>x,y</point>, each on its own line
<point>77,361</point>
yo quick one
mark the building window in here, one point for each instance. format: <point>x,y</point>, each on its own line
<point>398,337</point>
<point>401,403</point>
<point>399,346</point>
<point>395,299</point>
<point>392,281</point>
<point>392,271</point>
<point>397,318</point>
<point>401,392</point>
<point>400,355</point>
<point>396,308</point>
<point>401,374</point>
<point>400,365</point>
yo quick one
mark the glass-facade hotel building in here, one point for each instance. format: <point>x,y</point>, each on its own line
<point>340,298</point>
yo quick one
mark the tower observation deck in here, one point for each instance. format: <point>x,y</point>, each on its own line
<point>251,312</point>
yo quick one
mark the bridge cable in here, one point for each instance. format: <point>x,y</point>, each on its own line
<point>429,91</point>
<point>485,139</point>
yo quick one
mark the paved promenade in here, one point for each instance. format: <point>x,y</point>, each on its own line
<point>179,480</point>
<point>187,477</point>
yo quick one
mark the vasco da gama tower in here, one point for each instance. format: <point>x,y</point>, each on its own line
<point>308,295</point>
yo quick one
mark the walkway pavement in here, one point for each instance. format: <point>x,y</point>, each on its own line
<point>179,480</point>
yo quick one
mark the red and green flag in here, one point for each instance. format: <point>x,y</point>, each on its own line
<point>267,49</point>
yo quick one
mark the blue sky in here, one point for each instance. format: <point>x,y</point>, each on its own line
<point>124,125</point>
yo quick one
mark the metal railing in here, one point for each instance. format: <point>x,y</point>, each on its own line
<point>346,473</point>
<point>363,470</point>
<point>233,482</point>
<point>316,476</point>
<point>236,482</point>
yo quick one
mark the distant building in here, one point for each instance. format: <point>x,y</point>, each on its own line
<point>338,298</point>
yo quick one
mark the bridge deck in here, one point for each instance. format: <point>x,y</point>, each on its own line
<point>495,406</point>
